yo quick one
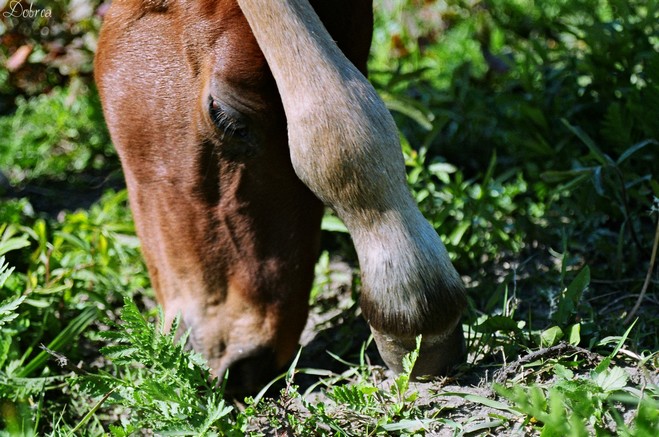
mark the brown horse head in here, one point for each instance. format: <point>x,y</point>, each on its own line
<point>226,153</point>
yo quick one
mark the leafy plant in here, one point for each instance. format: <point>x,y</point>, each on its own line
<point>578,405</point>
<point>54,135</point>
<point>69,272</point>
<point>165,388</point>
<point>474,216</point>
<point>532,83</point>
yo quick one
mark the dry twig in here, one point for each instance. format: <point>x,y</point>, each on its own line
<point>653,258</point>
<point>562,348</point>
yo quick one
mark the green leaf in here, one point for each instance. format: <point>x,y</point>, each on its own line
<point>497,323</point>
<point>120,353</point>
<point>569,299</point>
<point>68,336</point>
<point>633,149</point>
<point>475,428</point>
<point>458,232</point>
<point>574,334</point>
<point>9,244</point>
<point>5,272</point>
<point>551,336</point>
<point>561,175</point>
<point>8,308</point>
<point>332,223</point>
<point>216,409</point>
<point>483,401</point>
<point>441,168</point>
<point>409,108</point>
<point>607,361</point>
<point>409,360</point>
<point>611,379</point>
<point>594,149</point>
<point>409,425</point>
<point>597,180</point>
<point>563,372</point>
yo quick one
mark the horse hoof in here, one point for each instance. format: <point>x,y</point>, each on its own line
<point>438,353</point>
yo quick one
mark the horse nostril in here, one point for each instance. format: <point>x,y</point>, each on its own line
<point>251,371</point>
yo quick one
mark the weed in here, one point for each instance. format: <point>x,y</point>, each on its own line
<point>163,387</point>
<point>580,405</point>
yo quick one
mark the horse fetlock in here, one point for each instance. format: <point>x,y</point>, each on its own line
<point>409,283</point>
<point>410,287</point>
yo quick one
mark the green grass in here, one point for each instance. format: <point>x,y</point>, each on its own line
<point>539,171</point>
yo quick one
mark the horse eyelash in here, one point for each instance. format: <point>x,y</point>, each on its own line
<point>225,122</point>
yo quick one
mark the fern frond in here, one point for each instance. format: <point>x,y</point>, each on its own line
<point>167,389</point>
<point>5,271</point>
<point>358,397</point>
<point>121,354</point>
<point>216,411</point>
<point>8,306</point>
<point>616,126</point>
<point>8,309</point>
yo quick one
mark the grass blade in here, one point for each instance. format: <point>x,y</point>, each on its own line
<point>67,336</point>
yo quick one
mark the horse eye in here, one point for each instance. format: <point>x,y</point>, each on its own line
<point>227,123</point>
